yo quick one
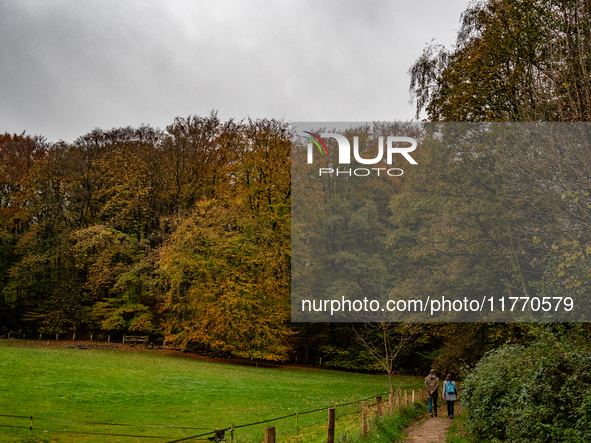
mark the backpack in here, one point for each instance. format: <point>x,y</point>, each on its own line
<point>450,387</point>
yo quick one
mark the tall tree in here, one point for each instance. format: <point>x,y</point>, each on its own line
<point>512,60</point>
<point>225,270</point>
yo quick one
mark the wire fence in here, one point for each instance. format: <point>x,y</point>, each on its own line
<point>288,425</point>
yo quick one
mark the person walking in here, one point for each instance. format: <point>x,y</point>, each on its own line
<point>432,386</point>
<point>450,394</point>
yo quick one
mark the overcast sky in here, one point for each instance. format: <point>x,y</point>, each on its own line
<point>69,66</point>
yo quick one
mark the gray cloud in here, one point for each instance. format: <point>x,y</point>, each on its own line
<point>69,66</point>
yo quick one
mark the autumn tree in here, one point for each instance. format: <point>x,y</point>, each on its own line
<point>513,60</point>
<point>225,269</point>
<point>192,155</point>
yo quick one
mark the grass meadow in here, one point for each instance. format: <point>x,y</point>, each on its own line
<point>60,386</point>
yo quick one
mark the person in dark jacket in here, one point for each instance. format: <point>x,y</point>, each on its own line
<point>450,394</point>
<point>432,386</point>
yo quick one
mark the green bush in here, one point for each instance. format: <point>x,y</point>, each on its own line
<point>535,393</point>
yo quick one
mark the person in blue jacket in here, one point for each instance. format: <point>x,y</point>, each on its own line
<point>450,394</point>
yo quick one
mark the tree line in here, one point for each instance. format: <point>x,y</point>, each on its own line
<point>182,233</point>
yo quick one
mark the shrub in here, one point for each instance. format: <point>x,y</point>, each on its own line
<point>536,393</point>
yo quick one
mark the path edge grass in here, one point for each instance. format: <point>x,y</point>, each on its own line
<point>386,429</point>
<point>456,432</point>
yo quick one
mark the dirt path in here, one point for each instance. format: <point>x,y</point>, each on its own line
<point>428,430</point>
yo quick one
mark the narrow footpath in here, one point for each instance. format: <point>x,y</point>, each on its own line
<point>428,430</point>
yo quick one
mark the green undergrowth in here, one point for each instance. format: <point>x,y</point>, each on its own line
<point>456,432</point>
<point>387,429</point>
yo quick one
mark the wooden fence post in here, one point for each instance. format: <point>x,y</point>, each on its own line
<point>398,400</point>
<point>413,395</point>
<point>379,405</point>
<point>330,427</point>
<point>270,434</point>
<point>364,420</point>
<point>391,403</point>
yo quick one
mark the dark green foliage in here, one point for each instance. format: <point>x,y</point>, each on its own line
<point>349,357</point>
<point>535,393</point>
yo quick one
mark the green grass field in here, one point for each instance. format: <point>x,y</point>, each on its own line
<point>147,388</point>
